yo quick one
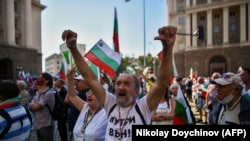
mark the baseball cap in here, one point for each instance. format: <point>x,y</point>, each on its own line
<point>79,77</point>
<point>228,78</point>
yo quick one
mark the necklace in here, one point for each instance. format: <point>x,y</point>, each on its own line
<point>86,121</point>
<point>122,124</point>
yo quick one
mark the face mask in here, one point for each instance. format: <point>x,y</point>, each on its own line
<point>39,81</point>
<point>227,99</point>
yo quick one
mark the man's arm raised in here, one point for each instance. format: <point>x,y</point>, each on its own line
<point>90,78</point>
<point>167,37</point>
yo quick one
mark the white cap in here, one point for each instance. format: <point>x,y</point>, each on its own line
<point>229,78</point>
<point>79,77</point>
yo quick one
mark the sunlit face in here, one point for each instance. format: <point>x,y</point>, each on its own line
<point>174,91</point>
<point>245,77</point>
<point>125,90</point>
<point>91,99</point>
<point>223,91</point>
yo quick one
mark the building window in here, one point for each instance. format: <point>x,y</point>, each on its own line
<point>181,1</point>
<point>181,9</point>
<point>232,27</point>
<point>232,14</point>
<point>181,20</point>
<point>216,16</point>
<point>17,39</point>
<point>216,29</point>
<point>202,19</point>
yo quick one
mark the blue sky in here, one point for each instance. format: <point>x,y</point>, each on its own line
<point>94,19</point>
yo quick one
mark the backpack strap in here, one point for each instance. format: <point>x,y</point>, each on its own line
<point>140,114</point>
<point>8,119</point>
<point>136,108</point>
<point>112,109</point>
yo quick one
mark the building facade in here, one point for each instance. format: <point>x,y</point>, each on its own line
<point>226,42</point>
<point>20,37</point>
<point>54,62</point>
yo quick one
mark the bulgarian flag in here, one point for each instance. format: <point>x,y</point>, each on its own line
<point>174,70</point>
<point>115,34</point>
<point>65,63</point>
<point>183,114</point>
<point>66,56</point>
<point>104,57</point>
<point>63,70</point>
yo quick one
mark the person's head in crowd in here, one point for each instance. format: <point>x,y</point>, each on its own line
<point>173,89</point>
<point>45,80</point>
<point>245,75</point>
<point>21,84</point>
<point>8,90</point>
<point>80,83</point>
<point>229,87</point>
<point>215,75</point>
<point>127,89</point>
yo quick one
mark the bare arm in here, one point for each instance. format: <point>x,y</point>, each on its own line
<point>167,37</point>
<point>83,67</point>
<point>72,94</point>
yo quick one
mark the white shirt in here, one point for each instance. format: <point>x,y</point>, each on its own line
<point>128,117</point>
<point>96,128</point>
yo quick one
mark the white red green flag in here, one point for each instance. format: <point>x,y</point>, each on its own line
<point>104,57</point>
<point>182,114</point>
<point>66,56</point>
<point>63,70</point>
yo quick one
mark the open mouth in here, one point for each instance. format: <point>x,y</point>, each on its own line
<point>89,99</point>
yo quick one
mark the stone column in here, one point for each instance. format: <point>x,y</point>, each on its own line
<point>194,2</point>
<point>28,23</point>
<point>188,3</point>
<point>209,28</point>
<point>10,22</point>
<point>194,27</point>
<point>188,30</point>
<point>225,25</point>
<point>243,23</point>
<point>248,22</point>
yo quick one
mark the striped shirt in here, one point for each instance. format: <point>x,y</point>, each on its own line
<point>21,126</point>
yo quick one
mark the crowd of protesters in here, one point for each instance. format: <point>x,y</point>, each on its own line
<point>106,108</point>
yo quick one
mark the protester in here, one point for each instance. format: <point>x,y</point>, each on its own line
<point>43,123</point>
<point>164,113</point>
<point>229,87</point>
<point>82,88</point>
<point>245,76</point>
<point>211,99</point>
<point>10,102</point>
<point>24,94</point>
<point>122,106</point>
<point>92,121</point>
<point>62,121</point>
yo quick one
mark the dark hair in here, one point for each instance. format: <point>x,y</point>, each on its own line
<point>48,77</point>
<point>247,70</point>
<point>8,90</point>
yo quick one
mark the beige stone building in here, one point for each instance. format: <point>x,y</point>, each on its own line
<point>20,37</point>
<point>53,62</point>
<point>226,42</point>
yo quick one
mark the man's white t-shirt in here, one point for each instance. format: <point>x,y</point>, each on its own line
<point>120,120</point>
